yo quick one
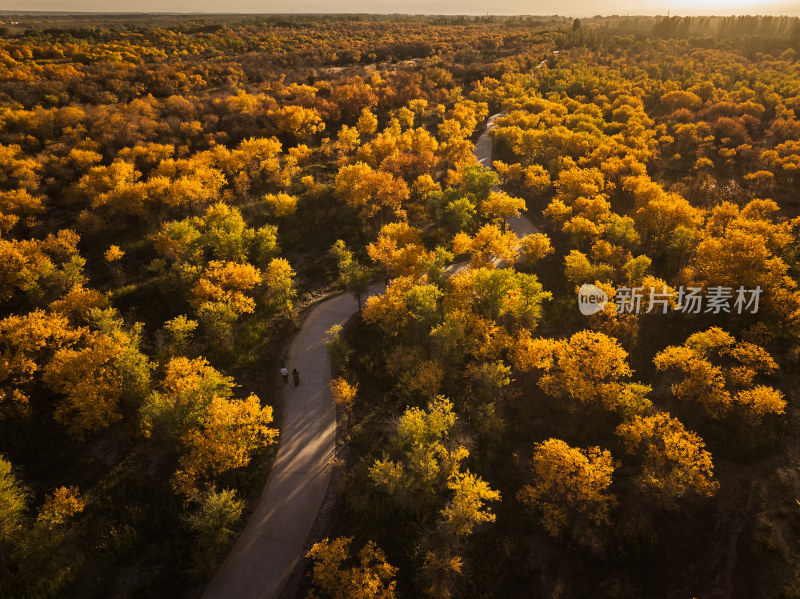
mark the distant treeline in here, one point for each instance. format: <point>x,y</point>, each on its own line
<point>85,23</point>
<point>718,27</point>
<point>749,34</point>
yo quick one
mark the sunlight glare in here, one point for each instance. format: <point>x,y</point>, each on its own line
<point>721,6</point>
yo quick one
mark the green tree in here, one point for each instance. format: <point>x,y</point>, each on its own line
<point>213,526</point>
<point>424,463</point>
<point>355,277</point>
<point>12,504</point>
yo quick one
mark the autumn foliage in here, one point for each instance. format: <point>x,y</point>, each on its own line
<point>176,193</point>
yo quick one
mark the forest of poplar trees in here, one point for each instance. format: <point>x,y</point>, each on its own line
<point>177,192</point>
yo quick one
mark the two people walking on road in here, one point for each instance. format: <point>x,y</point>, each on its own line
<point>285,375</point>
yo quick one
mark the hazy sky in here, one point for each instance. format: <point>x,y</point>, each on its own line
<point>579,8</point>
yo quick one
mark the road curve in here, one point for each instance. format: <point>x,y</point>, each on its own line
<point>273,540</point>
<point>521,225</point>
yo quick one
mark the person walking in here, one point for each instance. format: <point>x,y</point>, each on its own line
<point>295,377</point>
<point>285,373</point>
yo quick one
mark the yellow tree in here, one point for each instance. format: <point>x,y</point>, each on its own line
<point>578,269</point>
<point>344,394</point>
<point>389,309</point>
<point>376,195</point>
<point>58,508</point>
<point>16,170</point>
<point>399,249</point>
<point>27,343</point>
<point>675,462</point>
<point>659,213</point>
<point>489,247</point>
<point>347,141</point>
<point>744,248</point>
<point>416,154</point>
<point>570,486</point>
<point>716,370</point>
<point>407,307</point>
<point>254,164</point>
<point>227,282</point>
<point>40,269</point>
<point>367,123</point>
<point>113,254</point>
<point>537,179</point>
<point>225,438</point>
<point>194,411</point>
<point>220,296</point>
<point>467,509</point>
<point>339,576</point>
<point>590,367</point>
<point>584,231</point>
<point>620,325</point>
<point>279,280</point>
<point>535,247</point>
<point>90,383</point>
<point>508,173</point>
<point>500,206</point>
<point>574,183</point>
<point>39,556</point>
<point>297,120</point>
<point>190,184</point>
<point>281,204</point>
<point>78,303</point>
<point>17,206</point>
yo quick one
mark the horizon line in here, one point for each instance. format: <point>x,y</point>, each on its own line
<point>378,14</point>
